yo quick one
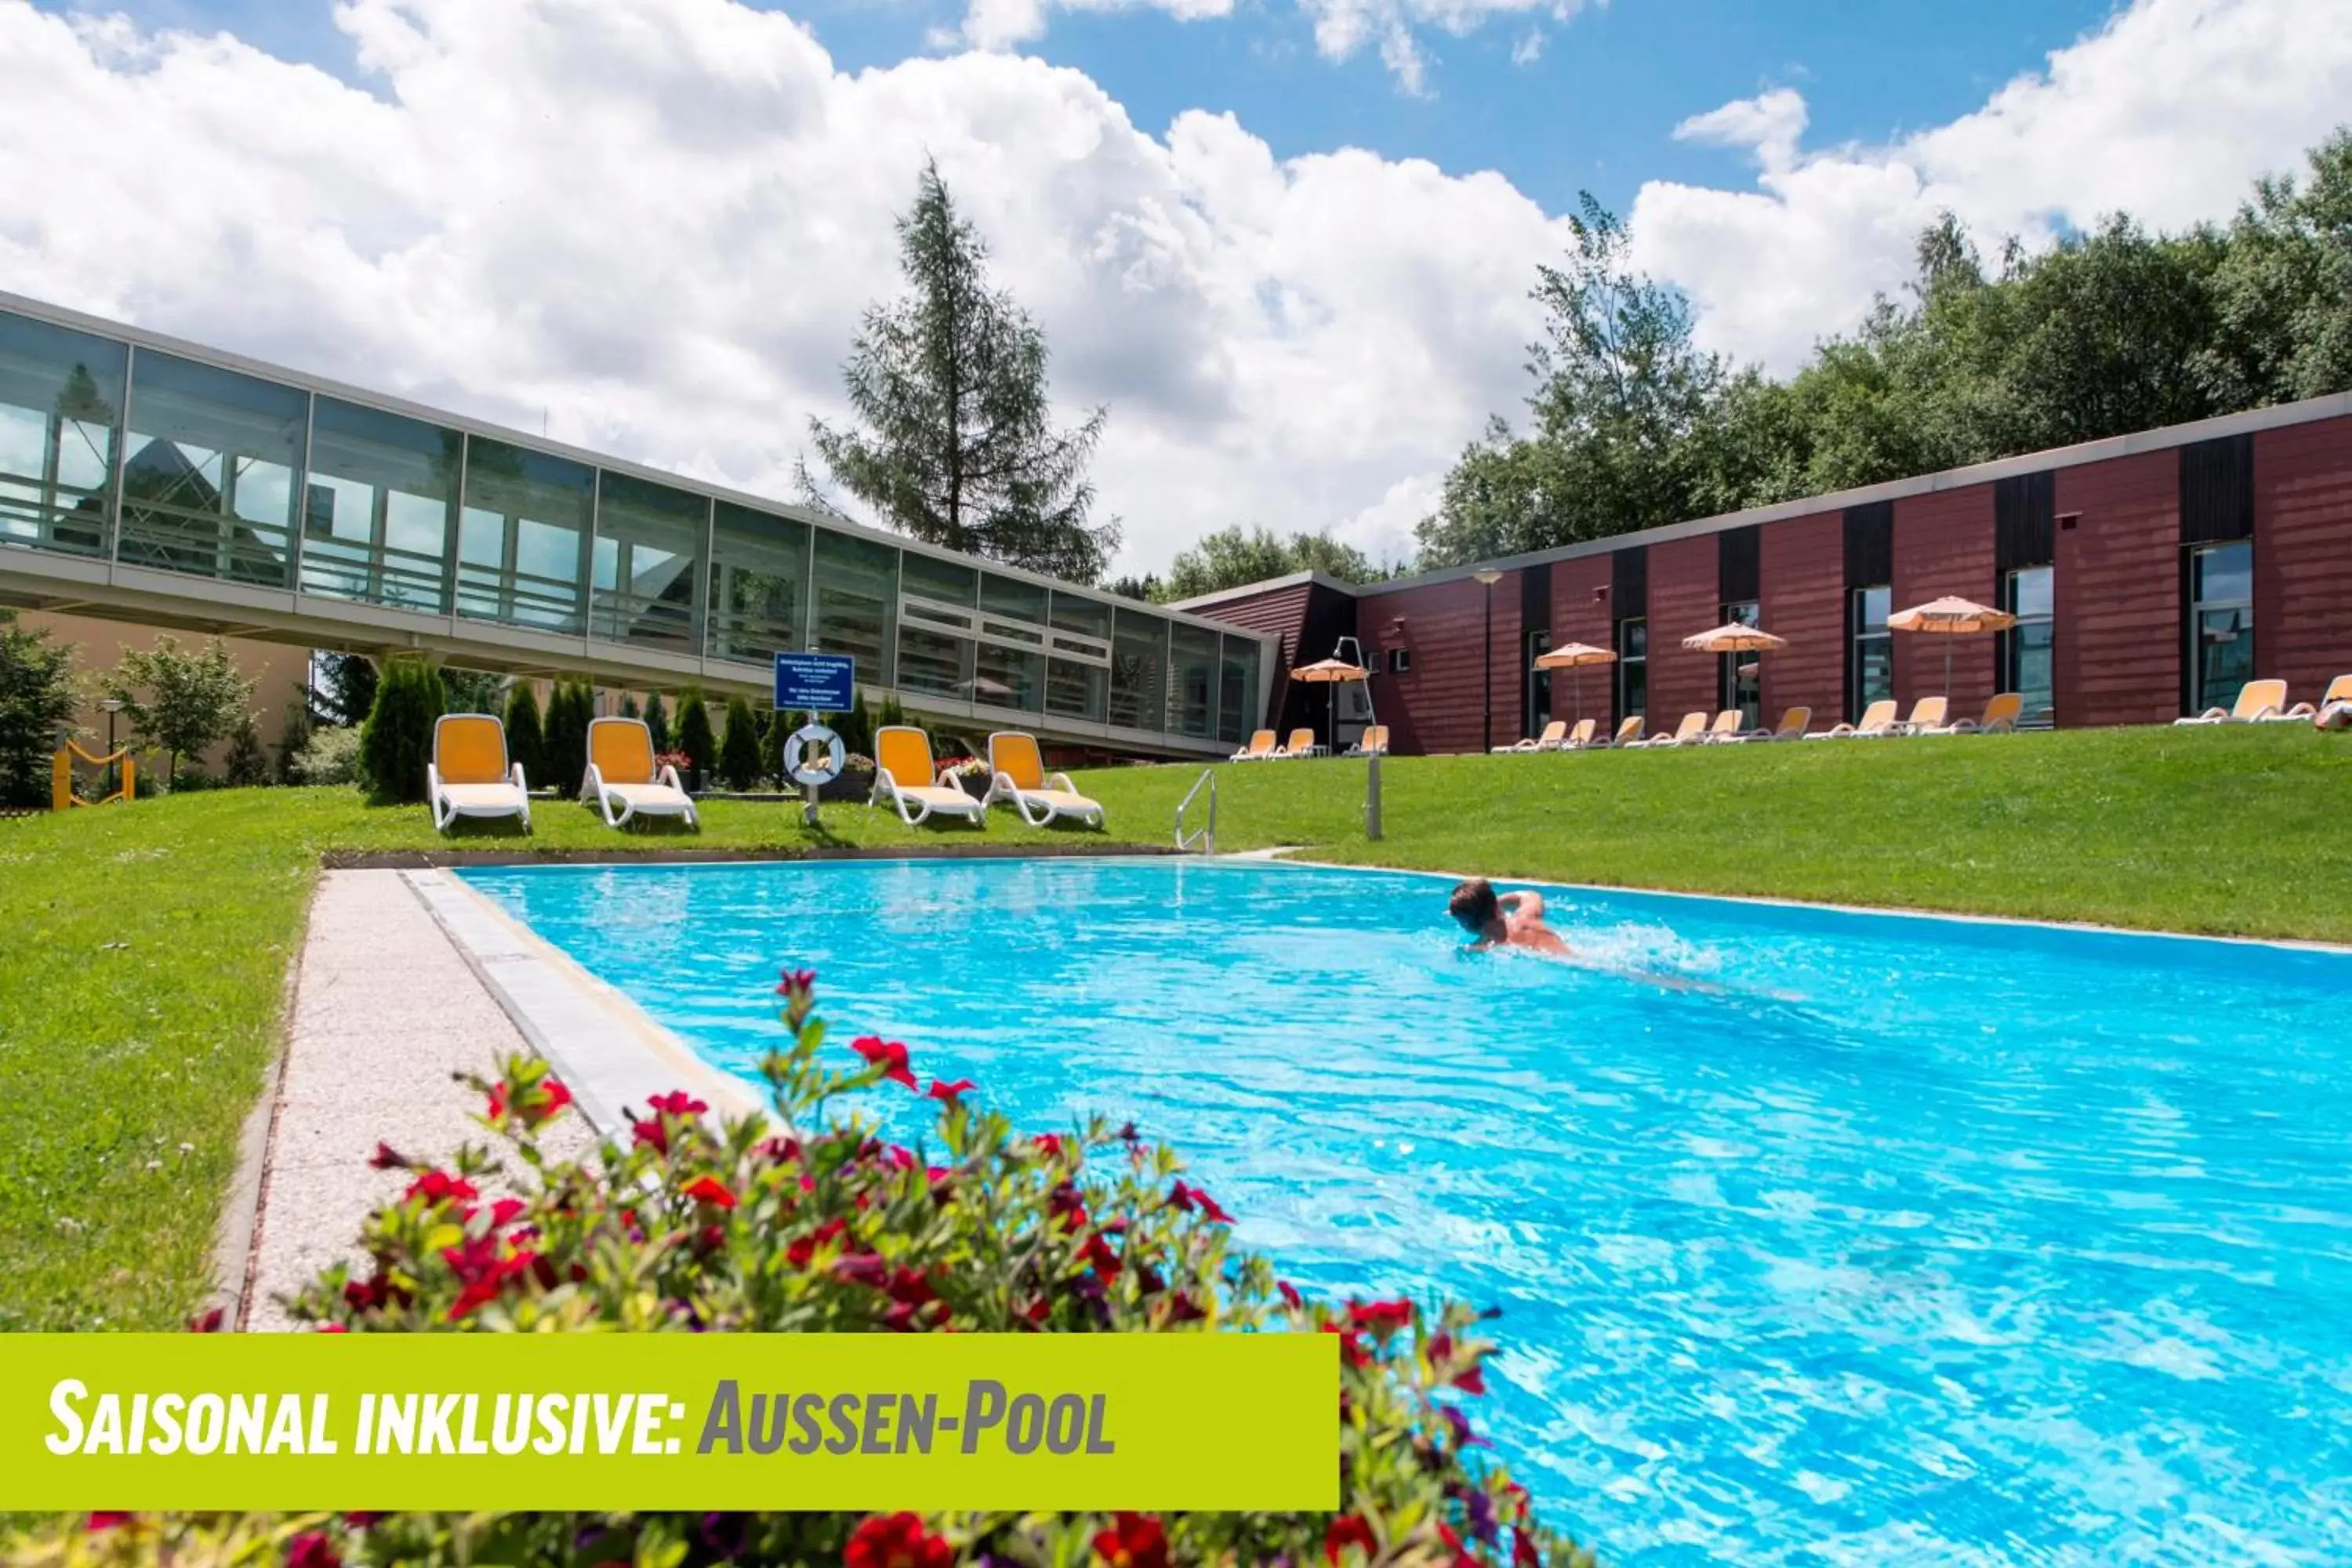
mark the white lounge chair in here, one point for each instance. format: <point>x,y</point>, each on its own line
<point>2257,701</point>
<point>2338,690</point>
<point>1629,733</point>
<point>1374,742</point>
<point>1260,746</point>
<point>1692,729</point>
<point>1550,741</point>
<point>1878,719</point>
<point>1725,728</point>
<point>1927,716</point>
<point>2000,717</point>
<point>623,772</point>
<point>1580,739</point>
<point>1790,728</point>
<point>906,778</point>
<point>469,775</point>
<point>1302,743</point>
<point>1021,782</point>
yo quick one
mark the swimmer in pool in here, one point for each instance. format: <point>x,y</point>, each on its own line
<point>1504,919</point>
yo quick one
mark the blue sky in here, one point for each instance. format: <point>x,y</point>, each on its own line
<point>1594,111</point>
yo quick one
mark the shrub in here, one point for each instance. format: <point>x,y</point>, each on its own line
<point>809,1223</point>
<point>247,764</point>
<point>657,721</point>
<point>179,703</point>
<point>524,741</point>
<point>396,741</point>
<point>738,755</point>
<point>37,700</point>
<point>695,739</point>
<point>332,757</point>
<point>293,738</point>
<point>564,746</point>
<point>856,727</point>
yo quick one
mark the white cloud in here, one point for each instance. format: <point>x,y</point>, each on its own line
<point>1003,24</point>
<point>1529,49</point>
<point>2167,111</point>
<point>658,222</point>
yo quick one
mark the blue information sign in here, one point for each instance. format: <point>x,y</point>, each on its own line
<point>815,682</point>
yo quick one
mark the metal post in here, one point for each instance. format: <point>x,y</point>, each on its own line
<point>1487,686</point>
<point>1373,797</point>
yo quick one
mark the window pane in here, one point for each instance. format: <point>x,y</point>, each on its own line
<point>1634,686</point>
<point>927,577</point>
<point>1237,695</point>
<point>2225,655</point>
<point>857,594</point>
<point>2030,592</point>
<point>759,583</point>
<point>60,402</point>
<point>1010,677</point>
<point>1192,679</point>
<point>378,507</point>
<point>522,537</point>
<point>1871,606</point>
<point>208,485</point>
<point>1742,614</point>
<point>1138,652</point>
<point>1012,600</point>
<point>2225,575</point>
<point>649,541</point>
<point>1874,671</point>
<point>2030,676</point>
<point>1074,613</point>
<point>1632,639</point>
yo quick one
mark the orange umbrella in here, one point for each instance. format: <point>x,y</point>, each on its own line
<point>1735,636</point>
<point>1574,656</point>
<point>1951,617</point>
<point>1330,672</point>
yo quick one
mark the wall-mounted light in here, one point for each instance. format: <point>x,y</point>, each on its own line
<point>1486,576</point>
<point>2067,520</point>
<point>1601,593</point>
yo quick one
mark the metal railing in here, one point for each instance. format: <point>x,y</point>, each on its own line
<point>1206,838</point>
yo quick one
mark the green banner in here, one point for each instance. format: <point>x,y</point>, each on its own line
<point>595,1421</point>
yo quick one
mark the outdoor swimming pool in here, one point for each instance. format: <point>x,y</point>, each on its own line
<point>1905,1241</point>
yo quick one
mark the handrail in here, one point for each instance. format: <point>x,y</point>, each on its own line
<point>61,790</point>
<point>1207,837</point>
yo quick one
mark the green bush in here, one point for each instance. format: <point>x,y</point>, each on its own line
<point>247,764</point>
<point>695,739</point>
<point>293,738</point>
<point>808,1222</point>
<point>525,743</point>
<point>657,722</point>
<point>563,745</point>
<point>331,756</point>
<point>37,700</point>
<point>396,741</point>
<point>856,727</point>
<point>739,753</point>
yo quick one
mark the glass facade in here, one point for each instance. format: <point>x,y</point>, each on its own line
<point>1633,668</point>
<point>1536,699</point>
<point>1872,677</point>
<point>167,462</point>
<point>61,409</point>
<point>208,473</point>
<point>1741,682</point>
<point>2220,623</point>
<point>2026,649</point>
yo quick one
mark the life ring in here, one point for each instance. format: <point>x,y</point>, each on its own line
<point>797,767</point>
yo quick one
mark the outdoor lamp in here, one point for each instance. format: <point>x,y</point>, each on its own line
<point>1486,577</point>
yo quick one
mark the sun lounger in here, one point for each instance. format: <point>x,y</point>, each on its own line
<point>2000,717</point>
<point>1878,719</point>
<point>1022,782</point>
<point>2257,701</point>
<point>1578,738</point>
<point>1629,733</point>
<point>1691,729</point>
<point>1300,744</point>
<point>1553,734</point>
<point>1927,717</point>
<point>2338,690</point>
<point>1260,747</point>
<point>1374,743</point>
<point>1791,727</point>
<point>622,773</point>
<point>906,778</point>
<point>1725,728</point>
<point>469,775</point>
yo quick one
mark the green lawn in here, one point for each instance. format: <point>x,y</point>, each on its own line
<point>145,953</point>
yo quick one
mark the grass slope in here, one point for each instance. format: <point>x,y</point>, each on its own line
<point>143,970</point>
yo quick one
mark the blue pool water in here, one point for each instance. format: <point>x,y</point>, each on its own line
<point>1900,1241</point>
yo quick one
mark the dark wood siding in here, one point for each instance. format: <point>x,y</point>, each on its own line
<point>1944,545</point>
<point>1802,566</point>
<point>2303,555</point>
<point>2217,492</point>
<point>2117,659</point>
<point>1736,563</point>
<point>1534,615</point>
<point>1309,619</point>
<point>2024,515</point>
<point>1870,545</point>
<point>1437,706</point>
<point>1684,574</point>
<point>1580,613</point>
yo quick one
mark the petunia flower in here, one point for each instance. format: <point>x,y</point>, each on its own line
<point>949,1092</point>
<point>1380,1318</point>
<point>387,1158</point>
<point>888,1055</point>
<point>896,1541</point>
<point>1133,1541</point>
<point>1349,1530</point>
<point>311,1549</point>
<point>710,1190</point>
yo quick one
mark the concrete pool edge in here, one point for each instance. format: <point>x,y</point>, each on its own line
<point>608,1051</point>
<point>686,853</point>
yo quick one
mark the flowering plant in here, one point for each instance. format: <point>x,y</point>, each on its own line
<point>679,759</point>
<point>807,1221</point>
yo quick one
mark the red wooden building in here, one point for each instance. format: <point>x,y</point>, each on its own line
<point>2152,575</point>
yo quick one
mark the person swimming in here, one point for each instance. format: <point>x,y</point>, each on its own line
<point>1504,919</point>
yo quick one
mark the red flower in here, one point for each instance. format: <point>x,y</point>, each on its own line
<point>710,1190</point>
<point>1382,1318</point>
<point>948,1092</point>
<point>551,1097</point>
<point>896,1541</point>
<point>1098,1252</point>
<point>676,1103</point>
<point>311,1549</point>
<point>484,1267</point>
<point>440,1187</point>
<point>1351,1346</point>
<point>503,1212</point>
<point>1188,1198</point>
<point>1048,1144</point>
<point>1290,1296</point>
<point>888,1055</point>
<point>387,1158</point>
<point>1461,1556</point>
<point>804,1247</point>
<point>1347,1531</point>
<point>207,1322</point>
<point>99,1522</point>
<point>1523,1549</point>
<point>1133,1541</point>
<point>1182,1310</point>
<point>796,981</point>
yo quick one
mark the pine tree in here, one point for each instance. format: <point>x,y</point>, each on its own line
<point>563,740</point>
<point>345,686</point>
<point>957,445</point>
<point>38,701</point>
<point>291,739</point>
<point>695,739</point>
<point>657,721</point>
<point>248,763</point>
<point>629,706</point>
<point>526,742</point>
<point>738,755</point>
<point>396,741</point>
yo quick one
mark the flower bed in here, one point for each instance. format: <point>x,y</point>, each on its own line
<point>807,1222</point>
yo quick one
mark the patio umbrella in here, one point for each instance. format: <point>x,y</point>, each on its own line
<point>1330,672</point>
<point>1573,657</point>
<point>1952,618</point>
<point>1735,636</point>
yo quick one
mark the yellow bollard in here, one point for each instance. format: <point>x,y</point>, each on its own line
<point>62,794</point>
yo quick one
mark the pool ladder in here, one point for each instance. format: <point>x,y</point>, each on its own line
<point>1205,839</point>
